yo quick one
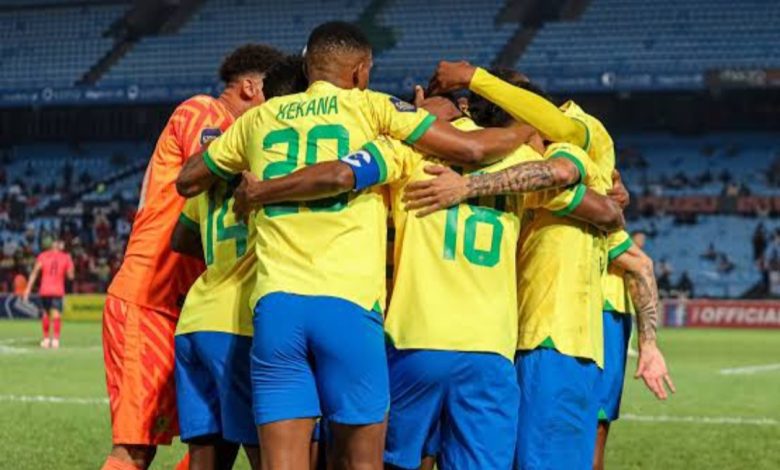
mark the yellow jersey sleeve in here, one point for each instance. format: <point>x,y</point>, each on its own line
<point>227,154</point>
<point>616,296</point>
<point>397,118</point>
<point>190,214</point>
<point>529,107</point>
<point>618,243</point>
<point>397,159</point>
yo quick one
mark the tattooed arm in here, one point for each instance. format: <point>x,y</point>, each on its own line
<point>640,282</point>
<point>450,188</point>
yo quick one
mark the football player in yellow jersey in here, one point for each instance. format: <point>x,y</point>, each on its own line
<point>318,348</point>
<point>560,337</point>
<point>455,325</point>
<point>214,332</point>
<point>630,276</point>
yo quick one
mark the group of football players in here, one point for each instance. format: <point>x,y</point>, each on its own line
<point>252,310</point>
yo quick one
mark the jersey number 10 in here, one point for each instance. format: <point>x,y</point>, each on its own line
<point>474,255</point>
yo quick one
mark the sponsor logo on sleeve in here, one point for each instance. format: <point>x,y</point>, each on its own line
<point>402,106</point>
<point>209,134</point>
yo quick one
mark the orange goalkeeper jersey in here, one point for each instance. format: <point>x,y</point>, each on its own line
<point>152,275</point>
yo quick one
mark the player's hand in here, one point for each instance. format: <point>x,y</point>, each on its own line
<point>651,368</point>
<point>619,193</point>
<point>439,106</point>
<point>242,204</point>
<point>451,76</point>
<point>26,297</point>
<point>445,190</point>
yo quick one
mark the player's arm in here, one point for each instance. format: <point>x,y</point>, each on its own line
<point>600,211</point>
<point>640,282</point>
<point>195,177</point>
<point>482,146</point>
<point>186,239</point>
<point>33,277</point>
<point>223,159</point>
<point>71,272</point>
<point>359,170</point>
<point>312,182</point>
<point>521,104</point>
<point>448,188</point>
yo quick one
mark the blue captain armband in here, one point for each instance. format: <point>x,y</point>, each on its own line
<point>368,166</point>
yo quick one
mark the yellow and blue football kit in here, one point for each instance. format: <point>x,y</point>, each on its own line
<point>452,321</point>
<point>560,341</point>
<point>617,329</point>
<point>213,336</point>
<point>321,264</point>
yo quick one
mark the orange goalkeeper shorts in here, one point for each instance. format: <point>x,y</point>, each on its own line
<point>139,357</point>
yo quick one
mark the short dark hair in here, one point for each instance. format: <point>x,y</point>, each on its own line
<point>285,78</point>
<point>335,37</point>
<point>487,114</point>
<point>249,58</point>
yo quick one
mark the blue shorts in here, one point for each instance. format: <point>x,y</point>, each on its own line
<point>51,303</point>
<point>213,389</point>
<point>465,400</point>
<point>318,356</point>
<point>617,331</point>
<point>558,409</point>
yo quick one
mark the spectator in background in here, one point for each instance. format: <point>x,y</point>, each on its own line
<point>710,253</point>
<point>664,277</point>
<point>20,284</point>
<point>725,265</point>
<point>759,241</point>
<point>685,285</point>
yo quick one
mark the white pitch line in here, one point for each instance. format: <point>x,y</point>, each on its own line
<point>728,420</point>
<point>50,399</point>
<point>747,370</point>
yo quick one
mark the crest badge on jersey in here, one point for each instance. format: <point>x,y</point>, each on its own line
<point>209,134</point>
<point>402,106</point>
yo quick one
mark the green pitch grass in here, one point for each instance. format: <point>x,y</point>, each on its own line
<point>715,421</point>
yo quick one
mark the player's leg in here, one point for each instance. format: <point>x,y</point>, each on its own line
<point>56,321</point>
<point>285,400</point>
<point>557,411</point>
<point>45,322</point>
<point>348,347</point>
<point>198,403</point>
<point>432,449</point>
<point>609,386</point>
<point>227,357</point>
<point>138,352</point>
<point>418,383</point>
<point>479,427</point>
<point>211,453</point>
<point>601,444</point>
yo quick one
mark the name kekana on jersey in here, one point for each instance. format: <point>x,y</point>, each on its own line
<point>315,107</point>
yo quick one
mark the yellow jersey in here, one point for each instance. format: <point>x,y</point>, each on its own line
<point>219,298</point>
<point>560,264</point>
<point>455,285</point>
<point>616,298</point>
<point>336,246</point>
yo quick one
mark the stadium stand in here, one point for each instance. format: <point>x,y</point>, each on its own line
<point>658,36</point>
<point>666,165</point>
<point>55,49</point>
<point>217,28</point>
<point>449,30</point>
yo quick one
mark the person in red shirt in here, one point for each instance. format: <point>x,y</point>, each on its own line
<point>144,298</point>
<point>53,265</point>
